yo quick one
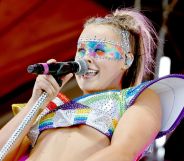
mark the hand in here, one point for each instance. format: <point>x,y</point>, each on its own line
<point>48,84</point>
<point>65,78</point>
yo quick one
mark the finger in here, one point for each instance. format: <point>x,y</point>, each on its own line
<point>53,81</point>
<point>66,78</point>
<point>51,61</point>
<point>44,84</point>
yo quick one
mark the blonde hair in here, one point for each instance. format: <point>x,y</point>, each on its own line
<point>143,40</point>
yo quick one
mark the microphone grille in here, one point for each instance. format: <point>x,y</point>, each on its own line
<point>83,67</point>
<point>30,69</point>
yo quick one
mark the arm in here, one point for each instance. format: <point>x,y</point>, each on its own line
<point>43,83</point>
<point>135,131</point>
<point>10,127</point>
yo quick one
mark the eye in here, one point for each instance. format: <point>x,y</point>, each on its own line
<point>81,50</point>
<point>99,52</point>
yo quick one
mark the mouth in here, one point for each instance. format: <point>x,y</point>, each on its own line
<point>90,73</point>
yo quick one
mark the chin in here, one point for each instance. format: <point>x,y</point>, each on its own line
<point>88,89</point>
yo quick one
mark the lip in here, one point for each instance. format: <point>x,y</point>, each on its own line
<point>86,76</point>
<point>93,69</point>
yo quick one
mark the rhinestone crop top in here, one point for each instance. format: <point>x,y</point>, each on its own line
<point>103,110</point>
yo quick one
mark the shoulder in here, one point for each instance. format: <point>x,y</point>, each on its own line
<point>145,98</point>
<point>149,101</point>
<point>148,98</point>
<point>155,108</point>
<point>166,91</point>
<point>140,123</point>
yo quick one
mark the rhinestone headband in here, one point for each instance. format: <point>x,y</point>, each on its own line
<point>98,40</point>
<point>125,41</point>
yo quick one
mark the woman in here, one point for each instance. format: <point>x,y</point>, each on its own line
<point>110,121</point>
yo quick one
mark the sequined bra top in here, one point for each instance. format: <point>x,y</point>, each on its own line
<point>101,110</point>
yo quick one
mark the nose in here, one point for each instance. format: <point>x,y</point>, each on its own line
<point>88,58</point>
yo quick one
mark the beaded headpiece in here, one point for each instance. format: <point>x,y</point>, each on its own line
<point>125,41</point>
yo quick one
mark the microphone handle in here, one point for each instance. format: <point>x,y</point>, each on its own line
<point>18,131</point>
<point>58,79</point>
<point>57,70</point>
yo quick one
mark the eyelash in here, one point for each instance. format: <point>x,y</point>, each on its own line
<point>96,50</point>
<point>81,50</point>
<point>101,50</point>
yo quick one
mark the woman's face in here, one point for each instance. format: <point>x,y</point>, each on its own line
<point>105,59</point>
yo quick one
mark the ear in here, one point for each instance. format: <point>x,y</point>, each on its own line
<point>129,58</point>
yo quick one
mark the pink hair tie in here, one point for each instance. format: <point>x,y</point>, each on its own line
<point>46,68</point>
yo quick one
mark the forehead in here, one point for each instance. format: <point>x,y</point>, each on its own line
<point>101,32</point>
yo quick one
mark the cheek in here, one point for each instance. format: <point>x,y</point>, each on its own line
<point>111,70</point>
<point>109,65</point>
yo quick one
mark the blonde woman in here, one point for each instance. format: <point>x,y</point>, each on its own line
<point>118,117</point>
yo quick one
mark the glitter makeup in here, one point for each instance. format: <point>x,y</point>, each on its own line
<point>99,49</point>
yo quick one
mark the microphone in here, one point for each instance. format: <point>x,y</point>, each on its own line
<point>59,69</point>
<point>78,67</point>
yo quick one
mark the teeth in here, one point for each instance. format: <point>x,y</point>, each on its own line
<point>91,72</point>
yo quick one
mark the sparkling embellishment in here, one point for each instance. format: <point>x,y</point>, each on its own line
<point>99,40</point>
<point>125,42</point>
<point>22,126</point>
<point>101,110</point>
<point>100,50</point>
<point>63,118</point>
